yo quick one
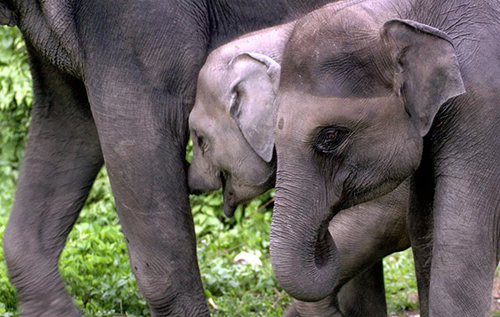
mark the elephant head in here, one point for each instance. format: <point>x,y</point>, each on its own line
<point>232,129</point>
<point>358,92</point>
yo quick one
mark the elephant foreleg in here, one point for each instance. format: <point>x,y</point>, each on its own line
<point>140,94</point>
<point>420,229</point>
<point>364,295</point>
<point>146,167</point>
<point>465,242</point>
<point>61,161</point>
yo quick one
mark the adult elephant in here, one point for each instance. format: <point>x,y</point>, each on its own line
<point>372,91</point>
<point>114,82</point>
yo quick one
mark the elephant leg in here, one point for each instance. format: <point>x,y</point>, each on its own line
<point>364,295</point>
<point>140,95</point>
<point>420,224</point>
<point>144,150</point>
<point>465,242</point>
<point>61,161</point>
<point>366,233</point>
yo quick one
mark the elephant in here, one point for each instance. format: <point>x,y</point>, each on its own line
<point>232,131</point>
<point>373,92</point>
<point>113,83</point>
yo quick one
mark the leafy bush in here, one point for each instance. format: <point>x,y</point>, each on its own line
<point>15,100</point>
<point>7,294</point>
<point>400,282</point>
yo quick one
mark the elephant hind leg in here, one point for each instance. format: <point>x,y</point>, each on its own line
<point>61,161</point>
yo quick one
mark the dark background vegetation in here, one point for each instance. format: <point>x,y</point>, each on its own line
<point>95,264</point>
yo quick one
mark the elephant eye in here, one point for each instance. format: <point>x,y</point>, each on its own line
<point>329,139</point>
<point>202,144</point>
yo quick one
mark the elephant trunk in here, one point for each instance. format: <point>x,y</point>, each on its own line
<point>303,254</point>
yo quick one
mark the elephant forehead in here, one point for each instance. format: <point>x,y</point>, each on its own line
<point>346,23</point>
<point>213,82</point>
<point>339,56</point>
<point>298,112</point>
<point>207,118</point>
<point>345,72</point>
<point>211,95</point>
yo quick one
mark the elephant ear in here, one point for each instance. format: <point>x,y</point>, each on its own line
<point>427,71</point>
<point>7,17</point>
<point>252,97</point>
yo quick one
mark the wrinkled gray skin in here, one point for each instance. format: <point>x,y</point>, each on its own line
<point>114,82</point>
<point>370,93</point>
<point>232,131</point>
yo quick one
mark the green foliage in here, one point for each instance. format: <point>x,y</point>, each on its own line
<point>95,263</point>
<point>400,282</point>
<point>15,100</point>
<point>238,290</point>
<point>7,294</point>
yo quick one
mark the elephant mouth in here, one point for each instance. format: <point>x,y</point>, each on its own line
<point>237,193</point>
<point>228,196</point>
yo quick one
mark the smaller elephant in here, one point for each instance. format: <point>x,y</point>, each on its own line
<point>233,147</point>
